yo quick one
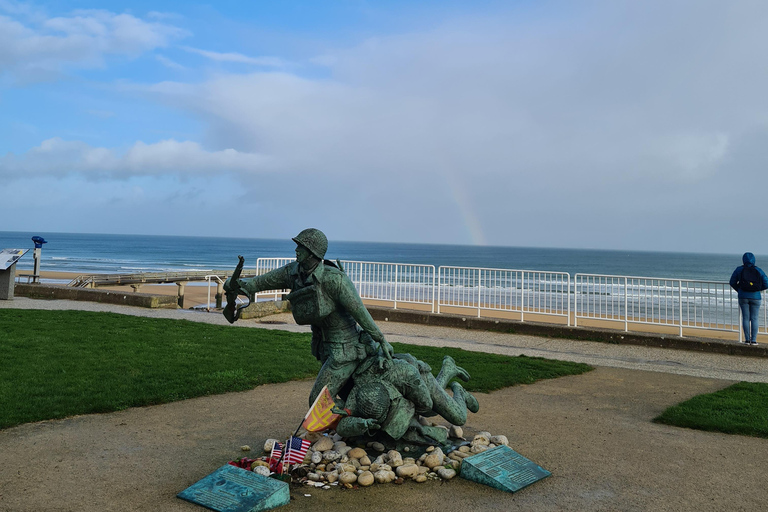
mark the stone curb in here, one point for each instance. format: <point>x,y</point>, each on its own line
<point>694,344</point>
<point>142,300</point>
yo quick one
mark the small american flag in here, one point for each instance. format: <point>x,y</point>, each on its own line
<point>275,464</point>
<point>297,449</point>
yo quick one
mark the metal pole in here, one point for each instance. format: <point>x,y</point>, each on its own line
<point>478,293</point>
<point>395,286</point>
<point>522,296</point>
<point>626,313</point>
<point>680,304</point>
<point>575,302</point>
<point>36,271</point>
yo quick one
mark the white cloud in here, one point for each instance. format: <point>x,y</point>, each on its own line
<point>44,47</point>
<point>165,61</point>
<point>236,57</point>
<point>57,157</point>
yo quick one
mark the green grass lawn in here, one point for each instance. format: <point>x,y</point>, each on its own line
<point>738,409</point>
<point>55,364</point>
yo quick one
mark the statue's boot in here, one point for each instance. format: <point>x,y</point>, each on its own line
<point>449,371</point>
<point>461,393</point>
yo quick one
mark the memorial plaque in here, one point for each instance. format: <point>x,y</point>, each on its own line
<point>502,468</point>
<point>232,489</point>
<point>9,257</point>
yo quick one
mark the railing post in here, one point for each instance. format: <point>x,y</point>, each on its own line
<point>522,296</point>
<point>479,291</point>
<point>568,297</point>
<point>396,286</point>
<point>680,304</point>
<point>439,290</point>
<point>575,301</point>
<point>434,276</point>
<point>626,312</point>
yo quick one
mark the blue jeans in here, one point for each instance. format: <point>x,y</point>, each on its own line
<point>750,314</point>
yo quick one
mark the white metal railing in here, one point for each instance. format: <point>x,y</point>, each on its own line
<point>681,303</point>
<point>393,282</point>
<point>521,291</point>
<point>264,265</point>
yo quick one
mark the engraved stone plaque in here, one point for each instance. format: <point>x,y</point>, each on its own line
<point>502,468</point>
<point>232,489</point>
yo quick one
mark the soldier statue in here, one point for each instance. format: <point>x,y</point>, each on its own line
<point>322,296</point>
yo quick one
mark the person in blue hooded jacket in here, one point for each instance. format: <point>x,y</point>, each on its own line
<point>749,280</point>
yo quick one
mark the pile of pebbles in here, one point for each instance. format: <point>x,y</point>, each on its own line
<point>331,462</point>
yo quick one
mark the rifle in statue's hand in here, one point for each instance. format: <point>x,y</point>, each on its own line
<point>232,290</point>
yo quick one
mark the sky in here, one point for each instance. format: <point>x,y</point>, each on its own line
<point>581,124</point>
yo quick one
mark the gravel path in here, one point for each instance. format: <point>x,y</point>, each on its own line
<point>593,431</point>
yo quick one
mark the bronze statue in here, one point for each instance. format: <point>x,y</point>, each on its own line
<point>383,393</point>
<point>343,332</point>
<point>388,396</point>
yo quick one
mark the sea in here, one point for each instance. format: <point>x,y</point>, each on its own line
<point>122,254</point>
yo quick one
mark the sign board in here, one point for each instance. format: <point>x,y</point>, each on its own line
<point>10,256</point>
<point>502,468</point>
<point>232,489</point>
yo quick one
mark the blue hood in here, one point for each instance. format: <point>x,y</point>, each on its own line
<point>748,259</point>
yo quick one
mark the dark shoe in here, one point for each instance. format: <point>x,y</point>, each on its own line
<point>753,343</point>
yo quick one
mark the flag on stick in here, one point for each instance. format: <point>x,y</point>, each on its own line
<point>276,459</point>
<point>320,417</point>
<point>297,449</point>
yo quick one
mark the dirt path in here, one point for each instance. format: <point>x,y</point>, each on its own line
<point>593,432</point>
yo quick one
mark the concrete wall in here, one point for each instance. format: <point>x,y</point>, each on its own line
<point>142,300</point>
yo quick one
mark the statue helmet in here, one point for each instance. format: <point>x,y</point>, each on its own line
<point>372,401</point>
<point>314,240</point>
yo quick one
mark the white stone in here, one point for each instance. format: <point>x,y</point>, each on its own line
<point>365,461</point>
<point>434,459</point>
<point>446,474</point>
<point>245,448</point>
<point>332,476</point>
<point>314,477</point>
<point>268,444</point>
<point>456,432</point>
<point>317,457</point>
<point>479,448</point>
<point>395,459</point>
<point>407,470</point>
<point>344,450</point>
<point>464,449</point>
<point>348,477</point>
<point>500,440</point>
<point>261,470</point>
<point>323,444</point>
<point>338,445</point>
<point>331,455</point>
<point>420,478</point>
<point>357,453</point>
<point>382,476</point>
<point>365,478</point>
<point>481,440</point>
